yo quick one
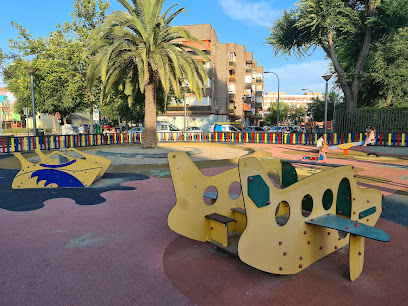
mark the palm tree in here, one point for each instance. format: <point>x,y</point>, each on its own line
<point>137,48</point>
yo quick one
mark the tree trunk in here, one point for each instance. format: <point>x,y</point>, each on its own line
<point>365,49</point>
<point>150,113</point>
<point>352,90</point>
<point>329,50</point>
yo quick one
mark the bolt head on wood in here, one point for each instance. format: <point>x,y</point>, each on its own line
<point>336,247</point>
<point>305,232</point>
<point>250,178</point>
<point>268,203</point>
<point>359,253</point>
<point>280,268</point>
<point>356,224</point>
<point>347,227</point>
<point>308,242</point>
<point>300,258</point>
<point>211,228</point>
<point>280,242</point>
<point>284,253</point>
<point>300,266</point>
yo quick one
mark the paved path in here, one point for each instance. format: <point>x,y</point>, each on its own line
<point>121,251</point>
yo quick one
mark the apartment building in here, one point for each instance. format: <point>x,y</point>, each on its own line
<point>293,101</point>
<point>234,88</point>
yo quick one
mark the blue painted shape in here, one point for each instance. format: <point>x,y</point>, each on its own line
<point>321,156</point>
<point>60,178</point>
<point>59,166</point>
<point>367,212</point>
<point>341,224</point>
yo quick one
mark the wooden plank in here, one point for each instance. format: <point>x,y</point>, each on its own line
<point>220,218</point>
<point>349,226</point>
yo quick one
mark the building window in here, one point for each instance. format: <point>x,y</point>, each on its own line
<point>231,89</point>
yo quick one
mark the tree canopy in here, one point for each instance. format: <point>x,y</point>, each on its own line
<point>345,30</point>
<point>136,50</point>
<point>60,80</point>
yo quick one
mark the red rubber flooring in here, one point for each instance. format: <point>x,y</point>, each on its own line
<point>122,252</point>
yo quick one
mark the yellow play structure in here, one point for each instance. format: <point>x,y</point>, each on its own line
<point>58,170</point>
<point>282,227</point>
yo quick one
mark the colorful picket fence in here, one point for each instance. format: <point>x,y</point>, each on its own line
<point>50,142</point>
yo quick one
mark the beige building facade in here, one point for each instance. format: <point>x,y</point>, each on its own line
<point>293,101</point>
<point>234,88</point>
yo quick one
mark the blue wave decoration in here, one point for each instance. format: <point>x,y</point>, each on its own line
<point>62,179</point>
<point>59,166</point>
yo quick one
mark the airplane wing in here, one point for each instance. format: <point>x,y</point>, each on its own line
<point>350,226</point>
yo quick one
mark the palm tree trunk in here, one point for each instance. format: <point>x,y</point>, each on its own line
<point>150,116</point>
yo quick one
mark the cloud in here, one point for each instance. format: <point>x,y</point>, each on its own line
<point>257,13</point>
<point>294,77</point>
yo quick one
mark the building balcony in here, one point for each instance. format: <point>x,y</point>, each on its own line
<point>259,93</point>
<point>191,109</point>
<point>231,95</point>
<point>231,110</point>
<point>231,79</point>
<point>248,70</point>
<point>231,63</point>
<point>247,99</point>
<point>259,80</point>
<point>248,85</point>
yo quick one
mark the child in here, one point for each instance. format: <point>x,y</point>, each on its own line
<point>370,136</point>
<point>320,142</point>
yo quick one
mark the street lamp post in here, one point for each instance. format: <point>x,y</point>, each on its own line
<point>31,71</point>
<point>185,111</point>
<point>326,77</point>
<point>313,105</point>
<point>277,115</point>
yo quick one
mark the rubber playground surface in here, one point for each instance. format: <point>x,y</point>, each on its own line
<point>110,244</point>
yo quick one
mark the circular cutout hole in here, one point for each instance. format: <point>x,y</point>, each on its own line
<point>307,205</point>
<point>274,177</point>
<point>234,190</point>
<point>210,195</point>
<point>327,199</point>
<point>282,213</point>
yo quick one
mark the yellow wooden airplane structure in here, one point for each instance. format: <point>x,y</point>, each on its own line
<point>50,173</point>
<point>277,230</point>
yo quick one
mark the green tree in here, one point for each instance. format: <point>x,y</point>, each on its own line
<point>60,82</point>
<point>344,30</point>
<point>135,49</point>
<point>318,106</point>
<point>273,111</point>
<point>386,81</point>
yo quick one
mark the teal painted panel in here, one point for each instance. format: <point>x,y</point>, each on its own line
<point>289,175</point>
<point>343,203</point>
<point>349,226</point>
<point>367,212</point>
<point>258,191</point>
